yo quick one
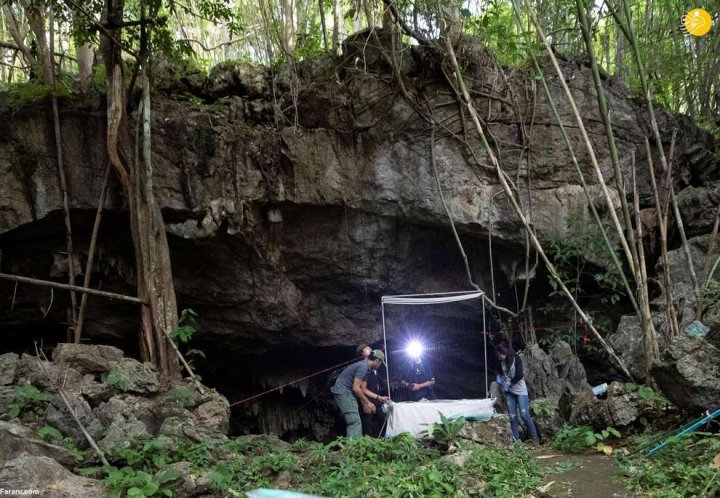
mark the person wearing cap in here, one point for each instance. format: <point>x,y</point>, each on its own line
<point>351,385</point>
<point>363,350</point>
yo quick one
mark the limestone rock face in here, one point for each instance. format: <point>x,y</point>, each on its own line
<point>618,408</point>
<point>87,358</point>
<point>27,471</point>
<point>689,373</point>
<point>16,439</point>
<point>293,202</point>
<point>8,368</point>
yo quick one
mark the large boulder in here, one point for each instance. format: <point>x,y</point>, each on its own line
<point>86,358</point>
<point>16,439</point>
<point>689,373</point>
<point>45,374</point>
<point>31,472</point>
<point>618,409</point>
<point>548,377</point>
<point>494,432</point>
<point>569,367</point>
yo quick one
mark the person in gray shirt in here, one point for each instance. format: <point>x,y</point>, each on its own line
<point>351,385</point>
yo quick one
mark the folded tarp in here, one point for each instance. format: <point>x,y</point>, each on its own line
<point>415,417</point>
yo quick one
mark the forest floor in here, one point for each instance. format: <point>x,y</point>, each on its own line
<point>581,476</point>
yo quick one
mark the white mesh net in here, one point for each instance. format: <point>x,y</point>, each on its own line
<point>447,333</point>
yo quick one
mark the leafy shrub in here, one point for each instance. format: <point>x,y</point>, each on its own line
<point>115,378</point>
<point>543,410</point>
<point>28,399</point>
<point>187,326</point>
<point>447,433</point>
<point>507,472</point>
<point>182,396</point>
<point>579,439</point>
<point>132,483</point>
<point>689,466</point>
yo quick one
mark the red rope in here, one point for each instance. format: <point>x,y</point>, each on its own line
<point>321,372</point>
<point>294,381</point>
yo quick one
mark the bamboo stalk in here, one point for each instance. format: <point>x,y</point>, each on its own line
<point>586,139</point>
<point>605,115</point>
<point>521,215</point>
<point>75,288</point>
<point>671,316</point>
<point>651,349</point>
<point>591,204</point>
<point>91,255</point>
<point>629,32</point>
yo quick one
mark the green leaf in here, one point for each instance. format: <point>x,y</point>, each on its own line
<point>14,411</point>
<point>49,432</point>
<point>150,488</point>
<point>590,439</point>
<point>169,475</point>
<point>135,493</point>
<point>613,431</point>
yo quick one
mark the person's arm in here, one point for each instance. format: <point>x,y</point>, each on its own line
<point>373,396</point>
<point>518,371</point>
<point>359,392</point>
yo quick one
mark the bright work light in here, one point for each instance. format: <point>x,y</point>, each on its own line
<point>415,349</point>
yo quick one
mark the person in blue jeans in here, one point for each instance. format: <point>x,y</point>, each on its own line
<point>516,393</point>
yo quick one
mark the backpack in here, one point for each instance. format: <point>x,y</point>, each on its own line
<point>332,378</point>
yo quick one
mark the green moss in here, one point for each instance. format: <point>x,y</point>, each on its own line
<point>30,92</point>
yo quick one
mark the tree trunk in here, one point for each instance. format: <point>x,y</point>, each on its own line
<point>35,13</point>
<point>336,27</point>
<point>85,58</point>
<point>323,27</point>
<point>368,13</point>
<point>152,255</point>
<point>288,27</point>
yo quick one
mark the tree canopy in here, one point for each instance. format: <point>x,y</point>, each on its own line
<point>682,68</point>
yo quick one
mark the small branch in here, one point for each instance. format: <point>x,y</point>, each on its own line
<point>75,288</point>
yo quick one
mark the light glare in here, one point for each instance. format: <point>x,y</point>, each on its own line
<point>414,349</point>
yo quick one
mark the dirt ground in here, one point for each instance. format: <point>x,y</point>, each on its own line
<point>587,476</point>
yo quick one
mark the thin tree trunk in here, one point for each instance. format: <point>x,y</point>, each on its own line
<point>36,20</point>
<point>368,13</point>
<point>336,27</point>
<point>85,57</point>
<point>629,32</point>
<point>605,115</point>
<point>91,255</point>
<point>323,27</point>
<point>588,143</point>
<point>288,27</point>
<point>591,203</point>
<point>63,184</point>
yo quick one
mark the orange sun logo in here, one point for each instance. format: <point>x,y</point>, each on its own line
<point>697,22</point>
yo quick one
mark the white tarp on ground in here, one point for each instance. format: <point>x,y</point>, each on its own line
<point>414,417</point>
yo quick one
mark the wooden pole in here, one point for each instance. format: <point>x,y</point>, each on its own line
<point>75,288</point>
